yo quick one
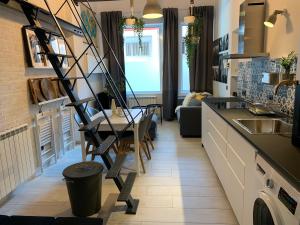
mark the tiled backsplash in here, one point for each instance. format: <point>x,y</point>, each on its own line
<point>250,86</point>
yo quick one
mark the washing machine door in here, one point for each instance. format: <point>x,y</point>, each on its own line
<point>265,211</point>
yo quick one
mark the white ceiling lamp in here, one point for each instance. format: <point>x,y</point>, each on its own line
<point>131,20</point>
<point>191,18</point>
<point>152,10</point>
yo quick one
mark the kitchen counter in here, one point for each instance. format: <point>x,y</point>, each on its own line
<point>274,148</point>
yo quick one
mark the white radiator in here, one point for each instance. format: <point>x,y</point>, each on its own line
<point>16,158</point>
<point>143,100</point>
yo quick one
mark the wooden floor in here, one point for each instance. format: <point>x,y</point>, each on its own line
<point>180,187</point>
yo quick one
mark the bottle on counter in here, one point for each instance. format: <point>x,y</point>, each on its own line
<point>296,123</point>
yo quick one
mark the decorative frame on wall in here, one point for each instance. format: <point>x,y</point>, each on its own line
<point>220,51</point>
<point>35,57</point>
<point>89,23</point>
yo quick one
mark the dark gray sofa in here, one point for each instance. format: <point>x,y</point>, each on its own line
<point>189,119</point>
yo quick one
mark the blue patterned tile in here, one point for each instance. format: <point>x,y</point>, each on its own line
<point>250,82</point>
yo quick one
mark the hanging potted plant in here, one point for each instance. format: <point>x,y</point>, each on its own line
<point>192,39</point>
<point>135,23</point>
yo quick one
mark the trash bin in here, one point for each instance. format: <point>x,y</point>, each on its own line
<point>84,183</point>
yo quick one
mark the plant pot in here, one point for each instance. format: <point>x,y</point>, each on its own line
<point>130,21</point>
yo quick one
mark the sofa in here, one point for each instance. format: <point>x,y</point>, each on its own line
<point>189,114</point>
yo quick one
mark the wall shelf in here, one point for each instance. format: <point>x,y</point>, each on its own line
<point>45,16</point>
<point>52,101</point>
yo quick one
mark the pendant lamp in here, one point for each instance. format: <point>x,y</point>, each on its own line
<point>152,10</point>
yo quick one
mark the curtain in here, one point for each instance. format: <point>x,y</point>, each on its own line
<point>201,73</point>
<point>170,63</point>
<point>110,22</point>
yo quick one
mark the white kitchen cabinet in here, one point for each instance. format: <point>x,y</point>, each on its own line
<point>233,159</point>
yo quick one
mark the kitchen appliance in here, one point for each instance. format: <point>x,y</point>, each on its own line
<point>296,123</point>
<point>275,201</point>
<point>251,31</point>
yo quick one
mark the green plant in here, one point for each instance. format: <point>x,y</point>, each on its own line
<point>137,26</point>
<point>192,38</point>
<point>120,84</point>
<point>287,62</point>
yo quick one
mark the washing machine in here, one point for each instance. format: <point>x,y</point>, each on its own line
<point>276,202</point>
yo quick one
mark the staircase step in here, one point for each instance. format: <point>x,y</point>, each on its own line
<point>116,168</point>
<point>92,124</point>
<point>105,145</point>
<point>45,30</point>
<point>80,102</point>
<point>125,193</point>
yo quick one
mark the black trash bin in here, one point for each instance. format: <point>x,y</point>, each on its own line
<point>84,183</point>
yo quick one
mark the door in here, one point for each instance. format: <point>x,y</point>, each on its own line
<point>264,211</point>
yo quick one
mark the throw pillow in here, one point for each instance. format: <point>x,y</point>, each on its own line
<point>195,102</point>
<point>188,98</point>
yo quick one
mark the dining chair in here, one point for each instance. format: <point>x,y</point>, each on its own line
<point>147,137</point>
<point>128,139</point>
<point>90,147</point>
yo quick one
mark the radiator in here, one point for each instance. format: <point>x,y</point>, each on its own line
<point>143,100</point>
<point>16,158</point>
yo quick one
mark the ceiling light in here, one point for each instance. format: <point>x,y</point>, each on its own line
<point>152,10</point>
<point>273,18</point>
<point>191,18</point>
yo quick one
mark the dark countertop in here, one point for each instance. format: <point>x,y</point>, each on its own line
<point>275,149</point>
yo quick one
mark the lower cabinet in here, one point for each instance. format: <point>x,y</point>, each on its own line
<point>233,159</point>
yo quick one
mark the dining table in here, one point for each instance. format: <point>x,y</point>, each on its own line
<point>119,122</point>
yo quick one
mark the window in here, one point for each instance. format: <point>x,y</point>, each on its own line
<point>143,65</point>
<point>184,77</point>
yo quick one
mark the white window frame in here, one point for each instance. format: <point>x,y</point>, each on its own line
<point>141,93</point>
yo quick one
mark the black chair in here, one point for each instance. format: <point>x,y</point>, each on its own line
<point>78,221</point>
<point>155,107</point>
<point>30,220</point>
<point>4,220</point>
<point>104,100</point>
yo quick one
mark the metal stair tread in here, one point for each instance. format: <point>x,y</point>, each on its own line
<point>126,190</point>
<point>116,168</point>
<point>45,30</point>
<point>92,124</point>
<point>80,102</point>
<point>105,145</point>
<point>55,54</point>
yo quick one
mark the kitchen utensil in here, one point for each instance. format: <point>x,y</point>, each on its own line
<point>61,89</point>
<point>35,90</point>
<point>48,89</point>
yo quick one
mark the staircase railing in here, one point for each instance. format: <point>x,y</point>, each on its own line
<point>91,126</point>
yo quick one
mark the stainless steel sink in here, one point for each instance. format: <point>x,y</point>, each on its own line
<point>265,126</point>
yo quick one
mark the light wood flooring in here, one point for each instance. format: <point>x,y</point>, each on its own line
<point>180,187</point>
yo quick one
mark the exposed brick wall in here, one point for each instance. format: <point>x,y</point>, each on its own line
<point>15,102</point>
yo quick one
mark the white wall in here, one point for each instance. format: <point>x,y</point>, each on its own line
<point>280,40</point>
<point>124,5</point>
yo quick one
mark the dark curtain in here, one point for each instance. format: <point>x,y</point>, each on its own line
<point>201,73</point>
<point>110,22</point>
<point>170,63</point>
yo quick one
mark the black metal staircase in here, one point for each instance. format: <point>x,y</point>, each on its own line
<point>91,126</point>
